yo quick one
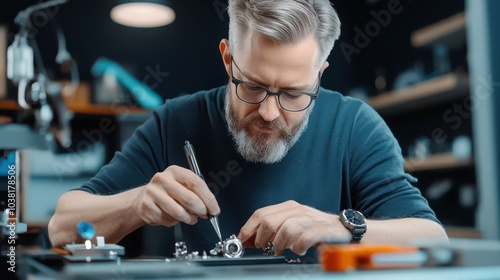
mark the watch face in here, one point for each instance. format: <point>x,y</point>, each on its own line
<point>355,222</point>
<point>354,217</point>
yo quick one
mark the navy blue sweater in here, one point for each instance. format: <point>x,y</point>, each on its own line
<point>347,158</point>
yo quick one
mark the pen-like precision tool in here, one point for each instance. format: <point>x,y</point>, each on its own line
<point>215,223</point>
<point>193,165</point>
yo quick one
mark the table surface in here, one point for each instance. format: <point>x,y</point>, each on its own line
<point>157,269</point>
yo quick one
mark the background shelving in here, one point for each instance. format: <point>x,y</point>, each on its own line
<point>436,162</point>
<point>440,89</point>
<point>449,31</point>
<point>415,111</point>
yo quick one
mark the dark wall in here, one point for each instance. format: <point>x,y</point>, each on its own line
<point>188,49</point>
<point>387,50</point>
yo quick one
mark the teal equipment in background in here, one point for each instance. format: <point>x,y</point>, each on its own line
<point>145,97</point>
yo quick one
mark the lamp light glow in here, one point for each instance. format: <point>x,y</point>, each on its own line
<point>142,14</point>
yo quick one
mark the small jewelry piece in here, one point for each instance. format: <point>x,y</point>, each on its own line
<point>269,250</point>
<point>180,250</point>
<point>230,248</point>
<point>293,261</point>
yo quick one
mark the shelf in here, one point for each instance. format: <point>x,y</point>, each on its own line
<point>449,32</point>
<point>436,162</point>
<point>430,92</point>
<point>88,109</point>
<point>7,104</point>
<point>114,110</point>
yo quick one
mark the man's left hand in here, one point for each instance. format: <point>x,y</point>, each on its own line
<point>290,225</point>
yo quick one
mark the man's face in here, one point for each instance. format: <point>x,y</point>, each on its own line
<point>265,132</point>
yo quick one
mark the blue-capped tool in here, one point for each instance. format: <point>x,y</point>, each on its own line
<point>85,230</point>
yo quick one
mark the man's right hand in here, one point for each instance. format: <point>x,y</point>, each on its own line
<point>175,195</point>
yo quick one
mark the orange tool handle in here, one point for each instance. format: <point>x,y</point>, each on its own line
<point>343,257</point>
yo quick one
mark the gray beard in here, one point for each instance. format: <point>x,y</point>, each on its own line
<point>260,148</point>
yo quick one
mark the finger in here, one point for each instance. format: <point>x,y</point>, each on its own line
<point>306,240</point>
<point>264,235</point>
<point>271,220</point>
<point>271,224</point>
<point>290,229</point>
<point>167,220</point>
<point>249,229</point>
<point>250,242</point>
<point>188,199</point>
<point>294,228</point>
<point>147,208</point>
<point>169,206</point>
<point>254,222</point>
<point>194,183</point>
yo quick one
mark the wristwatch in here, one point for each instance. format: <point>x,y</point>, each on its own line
<point>354,221</point>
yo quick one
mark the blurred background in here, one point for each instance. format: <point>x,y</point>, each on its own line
<point>429,67</point>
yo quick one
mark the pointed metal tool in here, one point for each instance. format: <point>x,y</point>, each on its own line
<point>193,165</point>
<point>215,223</point>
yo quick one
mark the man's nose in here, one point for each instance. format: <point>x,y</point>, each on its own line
<point>269,109</point>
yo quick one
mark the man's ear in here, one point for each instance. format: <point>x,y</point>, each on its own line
<point>324,66</point>
<point>225,54</point>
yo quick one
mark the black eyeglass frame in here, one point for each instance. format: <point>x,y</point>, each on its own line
<point>236,82</point>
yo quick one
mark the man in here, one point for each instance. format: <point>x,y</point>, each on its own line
<point>281,155</point>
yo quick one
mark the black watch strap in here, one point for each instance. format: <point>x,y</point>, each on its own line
<point>357,234</point>
<point>355,222</point>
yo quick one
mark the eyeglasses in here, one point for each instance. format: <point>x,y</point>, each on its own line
<point>289,100</point>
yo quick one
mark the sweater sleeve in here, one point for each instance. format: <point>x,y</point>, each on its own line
<point>380,188</point>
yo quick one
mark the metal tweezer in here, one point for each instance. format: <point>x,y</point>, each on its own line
<point>193,165</point>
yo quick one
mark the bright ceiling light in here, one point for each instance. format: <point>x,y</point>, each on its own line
<point>142,14</point>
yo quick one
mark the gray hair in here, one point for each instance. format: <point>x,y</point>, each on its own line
<point>285,22</point>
